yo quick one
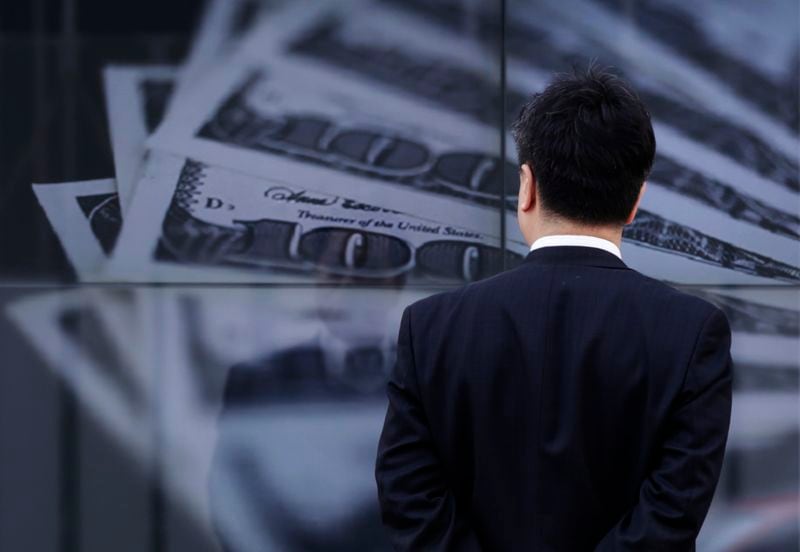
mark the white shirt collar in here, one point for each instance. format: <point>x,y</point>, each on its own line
<point>577,239</point>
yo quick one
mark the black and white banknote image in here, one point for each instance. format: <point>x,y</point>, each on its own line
<point>138,96</point>
<point>270,124</point>
<point>87,218</point>
<point>259,123</point>
<point>136,99</point>
<point>259,229</point>
<point>757,74</point>
<point>223,25</point>
<point>697,203</point>
<point>394,106</point>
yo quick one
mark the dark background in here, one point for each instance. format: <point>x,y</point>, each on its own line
<point>97,17</point>
<point>53,123</point>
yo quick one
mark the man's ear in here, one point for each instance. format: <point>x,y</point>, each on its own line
<point>636,205</point>
<point>527,181</point>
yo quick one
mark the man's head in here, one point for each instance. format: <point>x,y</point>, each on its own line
<point>585,146</point>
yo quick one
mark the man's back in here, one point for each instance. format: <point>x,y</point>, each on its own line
<point>567,404</point>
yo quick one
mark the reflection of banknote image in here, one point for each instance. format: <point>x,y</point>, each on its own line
<point>297,388</point>
<point>306,373</point>
<point>311,231</point>
<point>86,329</point>
<point>285,461</point>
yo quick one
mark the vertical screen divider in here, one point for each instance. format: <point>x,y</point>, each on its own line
<point>503,236</point>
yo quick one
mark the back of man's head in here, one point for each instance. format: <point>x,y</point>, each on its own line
<point>589,142</point>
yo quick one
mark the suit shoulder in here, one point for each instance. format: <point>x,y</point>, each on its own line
<point>481,292</point>
<point>425,306</point>
<point>676,297</point>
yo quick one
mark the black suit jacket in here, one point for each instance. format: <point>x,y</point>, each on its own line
<point>571,403</point>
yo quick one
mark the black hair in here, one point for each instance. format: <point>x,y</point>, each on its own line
<point>589,141</point>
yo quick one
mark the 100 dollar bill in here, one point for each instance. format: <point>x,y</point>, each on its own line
<point>246,228</point>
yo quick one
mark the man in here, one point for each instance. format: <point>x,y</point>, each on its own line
<point>571,403</point>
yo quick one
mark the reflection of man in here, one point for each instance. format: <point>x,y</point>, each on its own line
<point>570,403</point>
